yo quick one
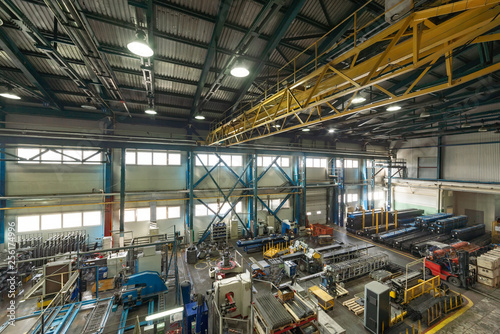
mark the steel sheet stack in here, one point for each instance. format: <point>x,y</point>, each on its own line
<point>468,233</point>
<point>358,267</point>
<point>444,226</point>
<point>427,220</point>
<point>274,313</point>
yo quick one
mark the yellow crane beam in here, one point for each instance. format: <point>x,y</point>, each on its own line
<point>415,44</point>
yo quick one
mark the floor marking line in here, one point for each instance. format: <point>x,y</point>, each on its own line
<point>449,319</point>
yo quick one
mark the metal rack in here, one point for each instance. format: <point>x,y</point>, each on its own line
<point>358,267</point>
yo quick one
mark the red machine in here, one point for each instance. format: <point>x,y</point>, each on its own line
<point>320,229</point>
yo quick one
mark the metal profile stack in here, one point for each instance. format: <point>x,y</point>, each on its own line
<point>468,233</point>
<point>219,232</point>
<point>445,226</point>
<point>383,236</point>
<point>427,220</point>
<point>355,219</point>
<point>273,312</point>
<point>358,267</point>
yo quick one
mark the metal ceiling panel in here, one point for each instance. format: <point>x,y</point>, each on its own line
<point>5,60</point>
<point>177,71</point>
<point>118,9</point>
<point>203,6</point>
<point>243,12</point>
<point>39,14</point>
<point>179,51</point>
<point>182,25</point>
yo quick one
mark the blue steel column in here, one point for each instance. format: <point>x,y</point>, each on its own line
<point>296,180</point>
<point>122,193</point>
<point>190,202</point>
<point>389,188</point>
<point>108,181</point>
<point>255,194</point>
<point>342,193</point>
<point>250,200</point>
<point>336,194</point>
<point>304,192</point>
<point>364,190</point>
<point>373,185</point>
<point>330,204</point>
<point>3,203</point>
<point>439,157</point>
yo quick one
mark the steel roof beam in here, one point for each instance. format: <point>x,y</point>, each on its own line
<point>76,25</point>
<point>266,13</point>
<point>288,18</point>
<point>372,6</point>
<point>211,53</point>
<point>29,71</point>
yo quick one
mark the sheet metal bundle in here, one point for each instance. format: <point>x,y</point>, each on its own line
<point>468,233</point>
<point>272,311</point>
<point>355,219</point>
<point>358,267</point>
<point>427,220</point>
<point>383,236</point>
<point>445,226</point>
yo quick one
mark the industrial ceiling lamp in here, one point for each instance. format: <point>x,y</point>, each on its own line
<point>150,110</point>
<point>140,46</point>
<point>331,130</point>
<point>306,130</point>
<point>465,124</point>
<point>393,108</point>
<point>8,94</point>
<point>482,128</point>
<point>240,70</point>
<point>425,114</point>
<point>358,100</point>
<point>88,105</point>
<point>199,117</point>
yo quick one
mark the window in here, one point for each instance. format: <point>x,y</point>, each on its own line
<point>161,212</point>
<point>354,197</point>
<point>212,160</point>
<point>316,162</point>
<point>174,159</point>
<point>174,212</point>
<point>129,215</point>
<point>266,161</point>
<point>318,212</point>
<point>143,214</point>
<point>144,158</point>
<point>308,214</point>
<point>276,202</point>
<point>348,163</point>
<point>323,163</point>
<point>226,159</point>
<point>91,218</point>
<point>338,163</point>
<point>73,219</point>
<point>355,164</point>
<point>72,156</point>
<point>28,223</point>
<point>368,163</point>
<point>202,159</point>
<point>58,156</point>
<point>237,161</point>
<point>51,222</point>
<point>285,162</point>
<point>309,162</point>
<point>213,208</point>
<point>51,157</point>
<point>130,158</point>
<point>349,198</point>
<point>159,158</point>
<point>28,154</point>
<point>200,210</point>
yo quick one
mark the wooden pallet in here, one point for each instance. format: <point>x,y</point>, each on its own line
<point>341,291</point>
<point>353,306</point>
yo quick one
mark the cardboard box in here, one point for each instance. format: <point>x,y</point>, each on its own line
<point>492,282</point>
<point>490,273</point>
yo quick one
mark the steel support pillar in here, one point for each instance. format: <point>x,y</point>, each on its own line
<point>296,179</point>
<point>330,198</point>
<point>303,176</point>
<point>108,181</point>
<point>252,213</point>
<point>373,185</point>
<point>122,193</point>
<point>342,193</point>
<point>189,228</point>
<point>439,158</point>
<point>389,186</point>
<point>336,194</point>
<point>255,195</point>
<point>3,203</point>
<point>364,190</point>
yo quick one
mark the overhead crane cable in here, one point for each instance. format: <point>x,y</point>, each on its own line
<point>458,31</point>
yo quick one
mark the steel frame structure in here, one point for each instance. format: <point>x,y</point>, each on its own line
<point>414,43</point>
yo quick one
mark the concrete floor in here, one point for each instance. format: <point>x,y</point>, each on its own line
<point>481,317</point>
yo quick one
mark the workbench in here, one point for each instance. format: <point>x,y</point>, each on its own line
<point>324,299</point>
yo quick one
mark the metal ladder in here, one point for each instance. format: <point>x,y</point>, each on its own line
<point>95,322</point>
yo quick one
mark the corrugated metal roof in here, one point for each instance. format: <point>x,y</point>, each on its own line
<point>180,51</point>
<point>39,14</point>
<point>203,6</point>
<point>118,9</point>
<point>5,60</point>
<point>182,25</point>
<point>243,12</point>
<point>62,85</point>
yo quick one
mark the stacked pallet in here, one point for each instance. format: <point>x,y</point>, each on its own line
<point>488,268</point>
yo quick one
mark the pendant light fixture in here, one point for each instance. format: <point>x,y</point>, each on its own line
<point>140,46</point>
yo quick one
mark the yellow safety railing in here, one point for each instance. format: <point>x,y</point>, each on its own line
<point>423,287</point>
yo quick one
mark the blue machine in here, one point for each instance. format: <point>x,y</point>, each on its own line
<point>288,226</point>
<point>196,318</point>
<point>141,287</point>
<point>290,268</point>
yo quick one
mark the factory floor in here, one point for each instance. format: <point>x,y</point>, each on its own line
<point>479,315</point>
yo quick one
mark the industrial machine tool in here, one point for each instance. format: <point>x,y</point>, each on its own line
<point>399,285</point>
<point>139,288</point>
<point>196,317</point>
<point>257,244</point>
<point>229,264</point>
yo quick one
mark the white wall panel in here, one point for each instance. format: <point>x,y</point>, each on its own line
<point>316,202</point>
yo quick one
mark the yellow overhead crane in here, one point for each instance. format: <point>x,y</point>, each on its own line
<point>415,44</point>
